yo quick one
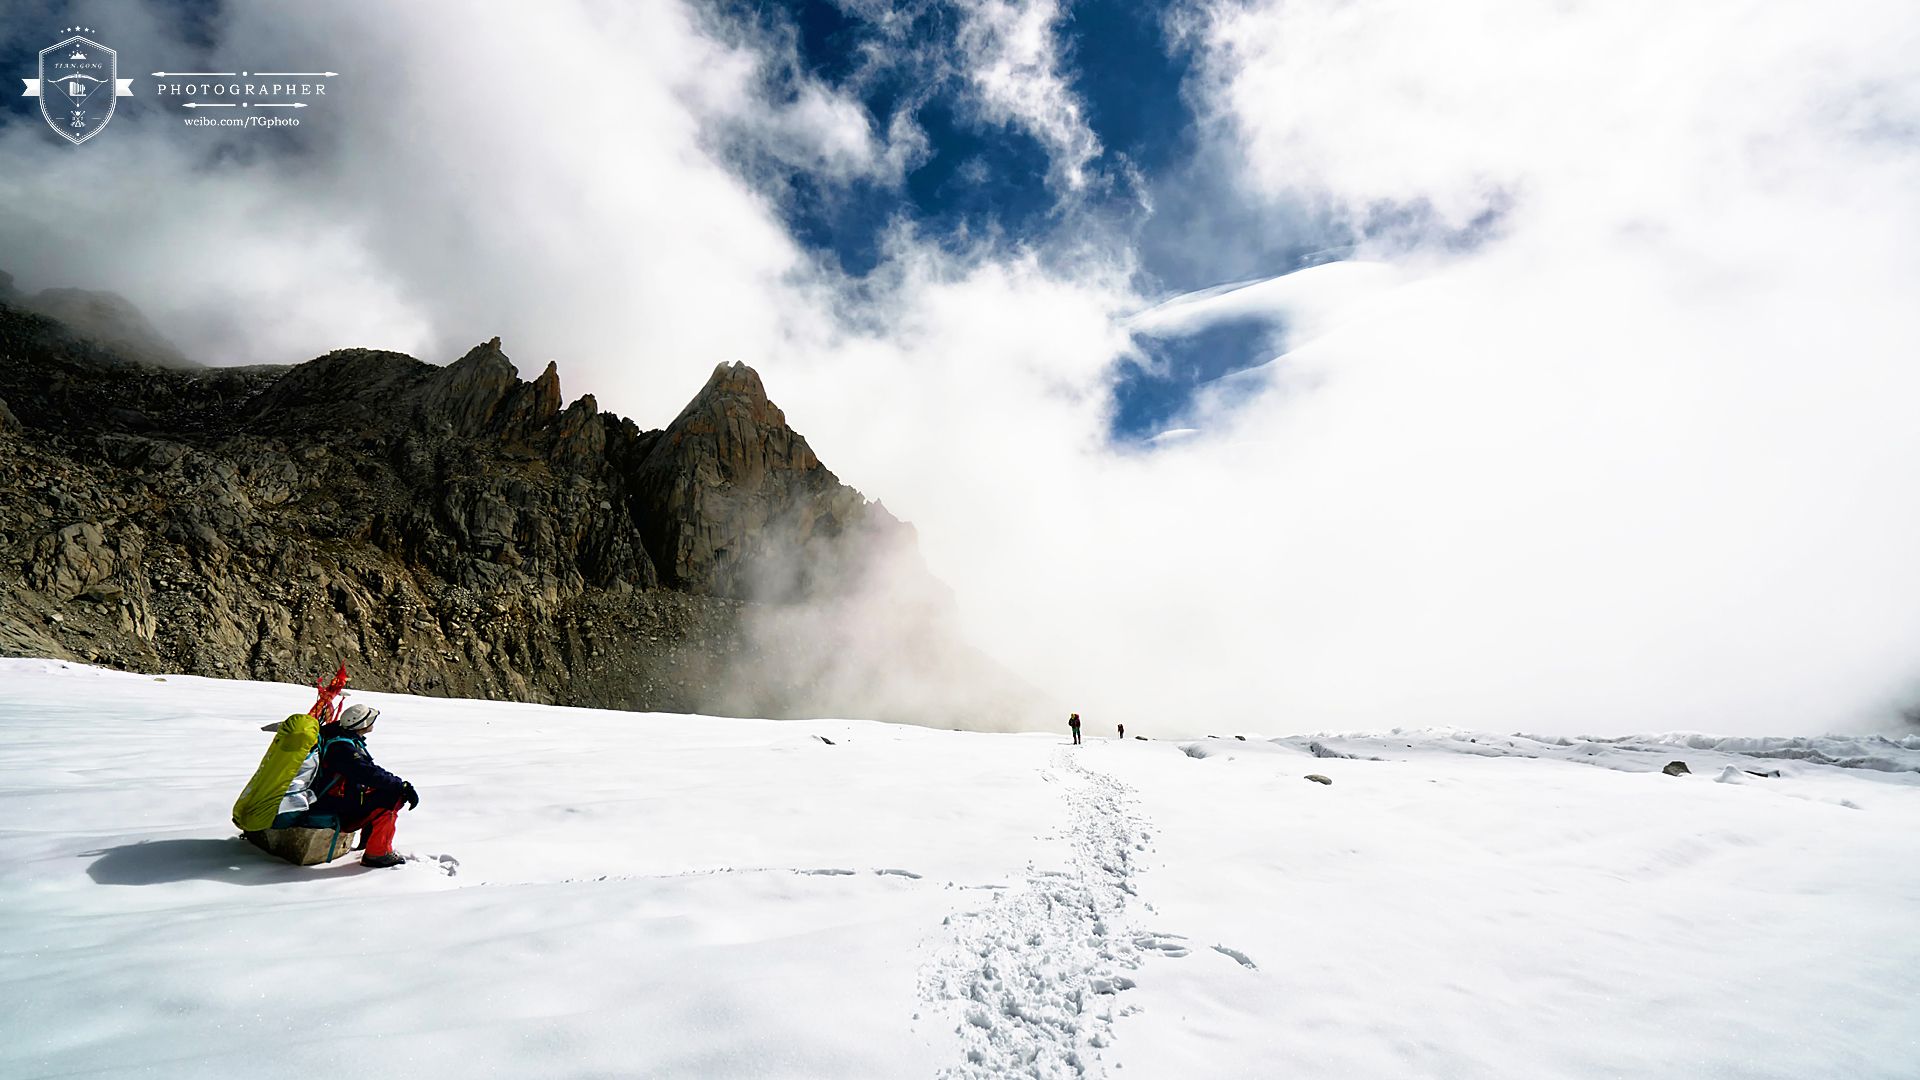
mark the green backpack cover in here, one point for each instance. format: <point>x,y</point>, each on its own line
<point>259,803</point>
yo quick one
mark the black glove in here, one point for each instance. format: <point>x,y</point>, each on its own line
<point>411,796</point>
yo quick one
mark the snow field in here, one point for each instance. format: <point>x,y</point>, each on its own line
<point>634,895</point>
<point>602,894</point>
<point>1038,970</point>
<point>1464,914</point>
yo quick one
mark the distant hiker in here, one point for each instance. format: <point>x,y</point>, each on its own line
<point>1123,730</point>
<point>363,795</point>
<point>1074,723</point>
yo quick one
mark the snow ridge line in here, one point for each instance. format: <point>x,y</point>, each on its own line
<point>1036,974</point>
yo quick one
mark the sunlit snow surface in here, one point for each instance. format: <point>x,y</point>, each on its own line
<point>606,894</point>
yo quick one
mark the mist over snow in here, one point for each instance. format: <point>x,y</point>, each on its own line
<point>1287,366</point>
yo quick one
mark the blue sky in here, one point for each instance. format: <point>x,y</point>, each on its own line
<point>987,183</point>
<point>1150,191</point>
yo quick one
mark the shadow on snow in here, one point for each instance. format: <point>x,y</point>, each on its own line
<point>233,860</point>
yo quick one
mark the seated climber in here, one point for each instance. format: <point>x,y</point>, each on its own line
<point>359,793</point>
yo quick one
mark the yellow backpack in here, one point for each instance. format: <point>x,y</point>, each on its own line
<point>293,743</point>
<point>289,764</point>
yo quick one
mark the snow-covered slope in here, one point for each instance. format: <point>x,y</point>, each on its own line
<point>611,894</point>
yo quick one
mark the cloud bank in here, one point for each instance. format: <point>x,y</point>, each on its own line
<point>1596,421</point>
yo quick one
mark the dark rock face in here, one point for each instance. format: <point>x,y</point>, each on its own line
<point>736,505</point>
<point>456,531</point>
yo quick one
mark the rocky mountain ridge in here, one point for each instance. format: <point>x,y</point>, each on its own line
<point>458,531</point>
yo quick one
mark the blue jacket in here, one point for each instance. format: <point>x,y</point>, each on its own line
<point>349,783</point>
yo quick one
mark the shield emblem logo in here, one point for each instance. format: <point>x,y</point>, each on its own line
<point>77,87</point>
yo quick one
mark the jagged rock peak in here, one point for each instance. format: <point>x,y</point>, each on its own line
<point>740,432</point>
<point>736,499</point>
<point>737,381</point>
<point>481,393</point>
<point>466,393</point>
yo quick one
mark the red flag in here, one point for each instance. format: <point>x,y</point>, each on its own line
<point>327,708</point>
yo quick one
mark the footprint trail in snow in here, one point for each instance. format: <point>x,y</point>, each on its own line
<point>1036,973</point>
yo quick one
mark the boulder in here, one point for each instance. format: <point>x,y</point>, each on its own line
<point>1676,768</point>
<point>70,561</point>
<point>303,847</point>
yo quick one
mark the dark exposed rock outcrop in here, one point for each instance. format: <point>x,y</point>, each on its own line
<point>457,531</point>
<point>736,504</point>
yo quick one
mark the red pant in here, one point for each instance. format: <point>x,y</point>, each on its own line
<point>379,825</point>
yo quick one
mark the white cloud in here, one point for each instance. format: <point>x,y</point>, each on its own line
<point>1641,460</point>
<point>455,186</point>
<point>1012,57</point>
